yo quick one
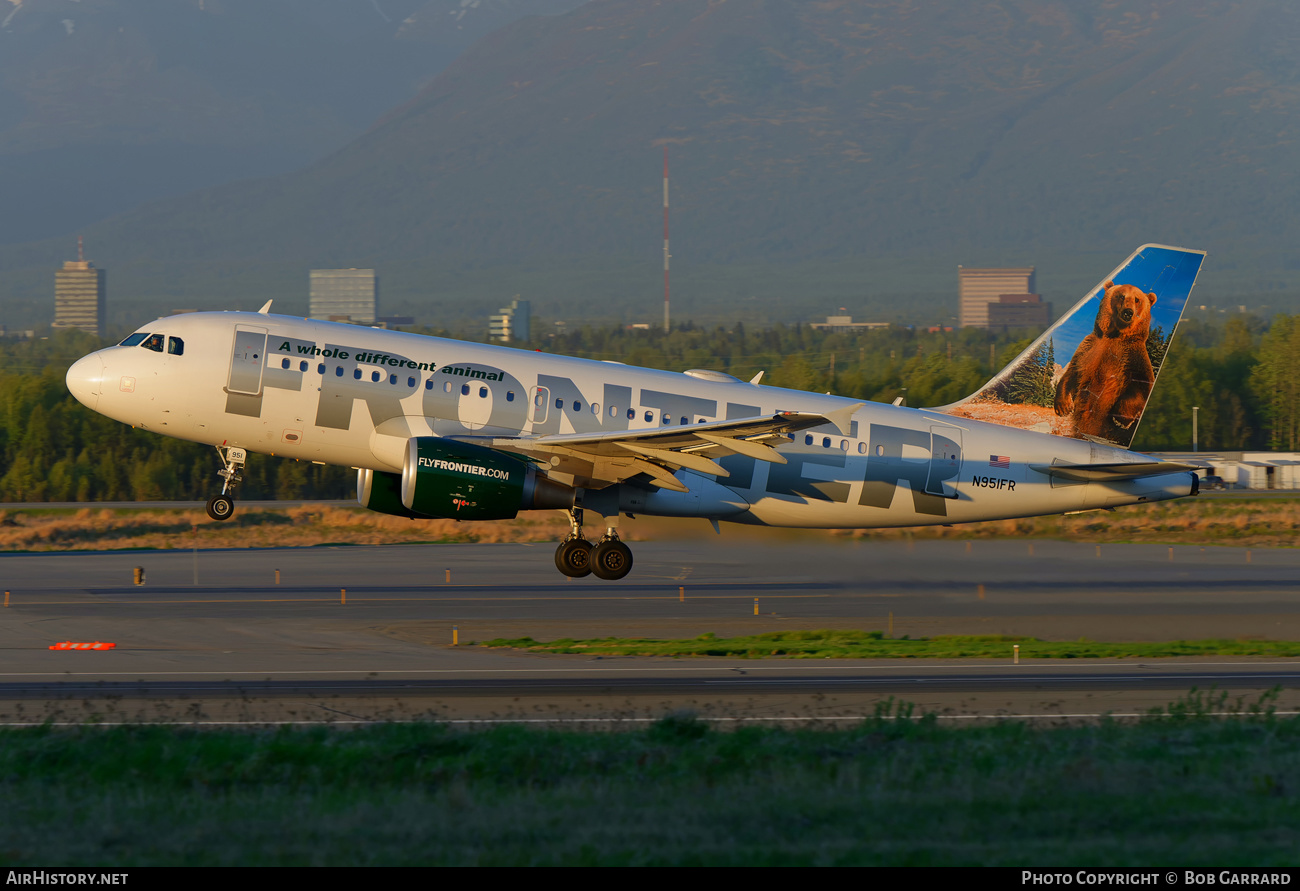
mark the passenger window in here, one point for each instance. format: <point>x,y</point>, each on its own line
<point>428,385</point>
<point>613,411</point>
<point>410,382</point>
<point>685,421</point>
<point>284,363</point>
<point>631,414</point>
<point>510,395</point>
<point>175,346</point>
<point>338,371</point>
<point>356,374</point>
<point>826,442</point>
<point>595,408</point>
<point>482,392</point>
<point>302,366</point>
<point>844,445</point>
<point>464,389</point>
<point>577,405</point>
<point>667,421</point>
<point>320,369</point>
<point>649,417</point>
<point>559,403</point>
<point>374,376</point>
<point>862,448</point>
<point>153,342</point>
<point>807,440</point>
<point>134,339</point>
<point>446,386</point>
<point>392,379</point>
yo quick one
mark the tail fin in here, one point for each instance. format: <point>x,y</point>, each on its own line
<point>1089,376</point>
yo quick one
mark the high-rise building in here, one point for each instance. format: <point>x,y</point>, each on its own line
<point>511,323</point>
<point>80,292</point>
<point>351,294</point>
<point>1015,311</point>
<point>977,288</point>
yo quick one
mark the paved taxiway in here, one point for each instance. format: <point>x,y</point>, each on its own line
<point>236,646</point>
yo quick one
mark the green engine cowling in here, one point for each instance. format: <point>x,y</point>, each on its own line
<point>459,480</point>
<point>381,491</point>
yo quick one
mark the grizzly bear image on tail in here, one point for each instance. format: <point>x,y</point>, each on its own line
<point>1106,385</point>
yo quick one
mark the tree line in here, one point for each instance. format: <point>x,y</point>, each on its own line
<point>1242,374</point>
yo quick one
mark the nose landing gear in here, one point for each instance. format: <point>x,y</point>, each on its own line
<point>222,507</point>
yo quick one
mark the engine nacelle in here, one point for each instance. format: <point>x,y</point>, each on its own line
<point>381,492</point>
<point>459,480</point>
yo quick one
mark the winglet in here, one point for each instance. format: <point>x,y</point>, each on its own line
<point>266,307</point>
<point>756,378</point>
<point>842,418</point>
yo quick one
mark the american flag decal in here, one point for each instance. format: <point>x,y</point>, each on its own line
<point>999,461</point>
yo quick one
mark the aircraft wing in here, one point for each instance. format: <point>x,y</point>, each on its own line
<point>596,460</point>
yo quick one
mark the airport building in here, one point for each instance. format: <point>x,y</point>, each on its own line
<point>1243,470</point>
<point>344,295</point>
<point>511,323</point>
<point>845,324</point>
<point>977,288</point>
<point>80,294</point>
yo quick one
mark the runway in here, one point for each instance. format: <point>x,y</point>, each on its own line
<point>236,646</point>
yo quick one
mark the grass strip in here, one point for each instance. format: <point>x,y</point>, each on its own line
<point>1179,787</point>
<point>875,645</point>
<point>1248,521</point>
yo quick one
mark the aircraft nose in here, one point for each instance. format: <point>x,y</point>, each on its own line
<point>85,380</point>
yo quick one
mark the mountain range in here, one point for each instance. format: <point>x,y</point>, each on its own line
<point>843,151</point>
<point>107,104</point>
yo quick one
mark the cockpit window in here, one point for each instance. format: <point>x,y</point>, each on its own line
<point>134,339</point>
<point>175,346</point>
<point>153,342</point>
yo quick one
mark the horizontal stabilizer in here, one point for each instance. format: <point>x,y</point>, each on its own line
<point>1110,473</point>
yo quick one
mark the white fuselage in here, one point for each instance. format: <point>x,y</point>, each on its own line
<point>341,394</point>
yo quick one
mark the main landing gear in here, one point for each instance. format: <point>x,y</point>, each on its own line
<point>610,559</point>
<point>222,507</point>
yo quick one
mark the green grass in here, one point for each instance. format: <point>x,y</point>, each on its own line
<point>1181,788</point>
<point>875,645</point>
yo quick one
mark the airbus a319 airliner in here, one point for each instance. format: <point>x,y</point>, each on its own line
<point>440,428</point>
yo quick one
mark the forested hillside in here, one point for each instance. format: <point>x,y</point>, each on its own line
<point>1244,375</point>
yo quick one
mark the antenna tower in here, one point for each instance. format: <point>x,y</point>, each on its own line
<point>666,254</point>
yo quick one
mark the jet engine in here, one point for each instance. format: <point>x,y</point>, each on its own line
<point>459,480</point>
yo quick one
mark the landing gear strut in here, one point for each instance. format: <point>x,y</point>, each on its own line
<point>222,507</point>
<point>573,556</point>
